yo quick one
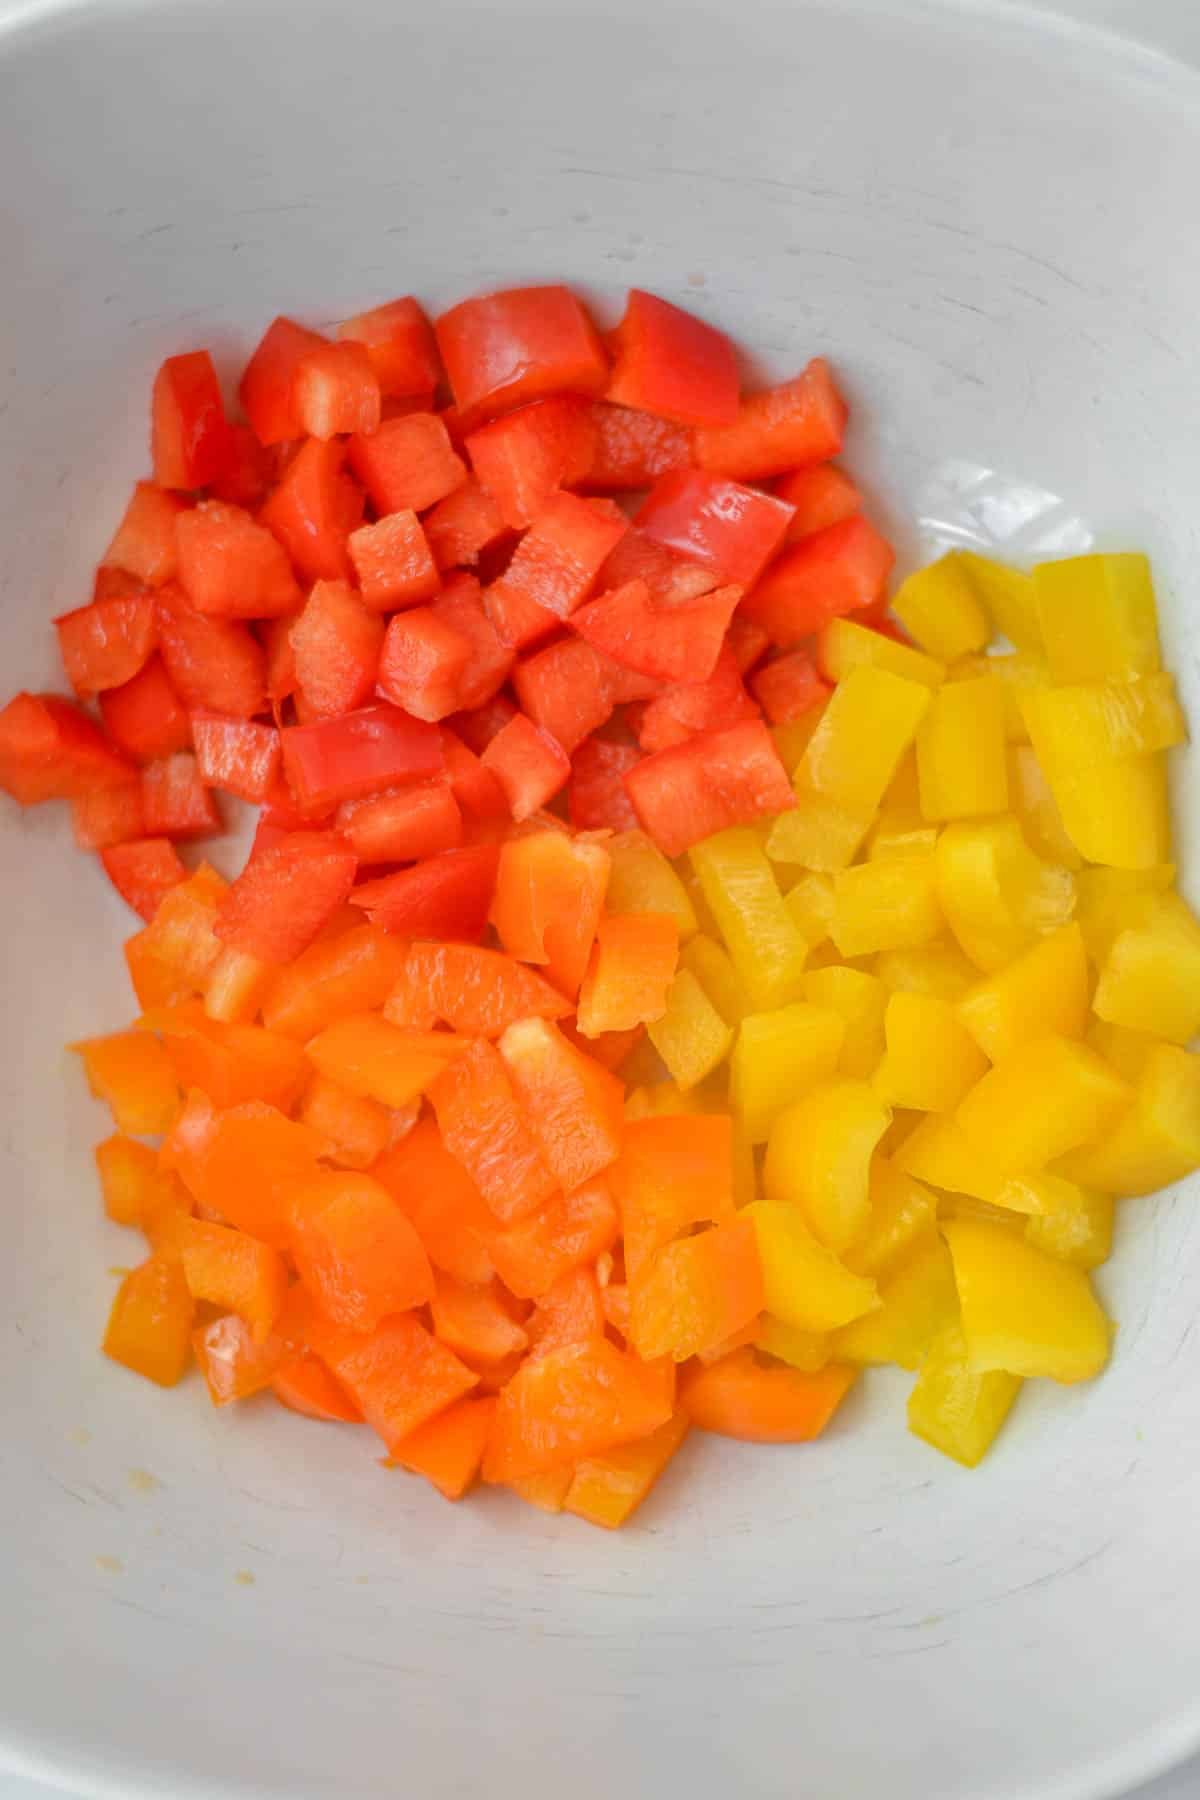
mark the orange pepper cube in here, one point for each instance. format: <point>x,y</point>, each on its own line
<point>740,1397</point>
<point>448,1449</point>
<point>150,1326</point>
<point>356,1252</point>
<point>582,1400</point>
<point>235,1272</point>
<point>673,1173</point>
<point>486,1130</point>
<point>697,1292</point>
<point>575,1107</point>
<point>132,1073</point>
<point>399,1374</point>
<point>381,1061</point>
<point>233,1365</point>
<point>631,970</point>
<point>547,903</point>
<point>605,1490</point>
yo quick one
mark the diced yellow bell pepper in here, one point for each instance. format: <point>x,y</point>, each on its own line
<point>1116,813</point>
<point>793,739</point>
<point>1024,1311</point>
<point>1127,1051</point>
<point>691,1037</point>
<point>955,1409</point>
<point>1016,671</point>
<point>997,896</point>
<point>1008,595</point>
<point>888,842</point>
<point>930,1058</point>
<point>939,968</point>
<point>1099,721</point>
<point>1040,1195</point>
<point>891,904</point>
<point>759,931</point>
<point>902,1211</point>
<point>1150,979</point>
<point>641,880</point>
<point>844,645</point>
<point>962,767</point>
<point>713,968</point>
<point>965,1206</point>
<point>899,815</point>
<point>804,1284</point>
<point>777,1057</point>
<point>1113,900</point>
<point>820,834</point>
<point>859,999</point>
<point>940,608</point>
<point>807,1350</point>
<point>1081,1235</point>
<point>810,903</point>
<point>904,1123</point>
<point>918,1302</point>
<point>819,1156</point>
<point>1034,804</point>
<point>1047,1098</point>
<point>1045,990</point>
<point>1157,1141</point>
<point>1098,617</point>
<point>940,1152</point>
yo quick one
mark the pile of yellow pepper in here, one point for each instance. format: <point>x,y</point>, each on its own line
<point>947,998</point>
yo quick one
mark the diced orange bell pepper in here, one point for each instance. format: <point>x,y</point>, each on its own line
<point>450,1215</point>
<point>150,1326</point>
<point>333,979</point>
<point>181,934</point>
<point>569,1230</point>
<point>357,1252</point>
<point>358,1130</point>
<point>478,992</point>
<point>485,1130</point>
<point>476,1322</point>
<point>547,1490</point>
<point>304,1385</point>
<point>740,1397</point>
<point>579,1401</point>
<point>399,1374</point>
<point>575,1107</point>
<point>235,1272</point>
<point>132,1073</point>
<point>233,1364</point>
<point>232,1064</point>
<point>605,1490</point>
<point>244,1164</point>
<point>632,967</point>
<point>548,900</point>
<point>235,987</point>
<point>135,1188</point>
<point>570,1312</point>
<point>672,1173</point>
<point>448,1449</point>
<point>696,1292</point>
<point>374,1058</point>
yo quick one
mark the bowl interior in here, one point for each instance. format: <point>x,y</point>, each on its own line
<point>986,218</point>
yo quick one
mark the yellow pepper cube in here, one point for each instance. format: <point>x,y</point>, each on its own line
<point>1040,1195</point>
<point>940,1152</point>
<point>939,968</point>
<point>1098,617</point>
<point>1116,813</point>
<point>759,932</point>
<point>1098,721</point>
<point>818,835</point>
<point>859,999</point>
<point>691,1037</point>
<point>1019,672</point>
<point>1035,807</point>
<point>902,1211</point>
<point>886,841</point>
<point>777,1057</point>
<point>1008,595</point>
<point>804,1284</point>
<point>641,880</point>
<point>899,814</point>
<point>1127,1051</point>
<point>1023,1311</point>
<point>1113,900</point>
<point>819,1157</point>
<point>1043,991</point>
<point>713,968</point>
<point>962,766</point>
<point>1081,1235</point>
<point>807,1350</point>
<point>891,904</point>
<point>955,1409</point>
<point>1047,1098</point>
<point>844,645</point>
<point>996,895</point>
<point>1150,979</point>
<point>930,1058</point>
<point>940,607</point>
<point>918,1300</point>
<point>1158,1139</point>
<point>793,739</point>
<point>810,903</point>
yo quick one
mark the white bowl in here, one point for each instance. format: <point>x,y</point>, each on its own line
<point>987,218</point>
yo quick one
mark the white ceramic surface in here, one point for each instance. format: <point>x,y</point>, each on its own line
<point>988,219</point>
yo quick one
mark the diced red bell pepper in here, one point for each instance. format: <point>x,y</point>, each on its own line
<point>748,643</point>
<point>108,816</point>
<point>356,1251</point>
<point>422,663</point>
<point>214,664</point>
<point>143,871</point>
<point>486,1131</point>
<point>335,389</point>
<point>408,463</point>
<point>554,567</point>
<point>230,567</point>
<point>336,642</point>
<point>820,495</point>
<point>596,798</point>
<point>565,689</point>
<point>313,511</point>
<point>175,801</point>
<point>189,436</point>
<point>530,765</point>
<point>399,1375</point>
<point>632,449</point>
<point>669,362</point>
<point>842,569</point>
<point>504,349</point>
<point>265,390</point>
<point>333,979</point>
<point>394,562</point>
<point>105,644</point>
<point>550,890</point>
<point>573,1403</point>
<point>276,638</point>
<point>481,724</point>
<point>801,421</point>
<point>247,472</point>
<point>734,529</point>
<point>789,687</point>
<point>399,341</point>
<point>671,578</point>
<point>671,643</point>
<point>715,780</point>
<point>712,705</point>
<point>447,896</point>
<point>285,894</point>
<point>49,750</point>
<point>236,754</point>
<point>462,525</point>
<point>403,826</point>
<point>360,753</point>
<point>476,789</point>
<point>523,457</point>
<point>144,541</point>
<point>460,606</point>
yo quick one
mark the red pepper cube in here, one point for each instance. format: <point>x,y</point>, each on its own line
<point>399,340</point>
<point>819,495</point>
<point>105,644</point>
<point>422,663</point>
<point>189,435</point>
<point>669,362</point>
<point>230,567</point>
<point>476,789</point>
<point>596,798</point>
<point>144,542</point>
<point>670,577</point>
<point>360,753</point>
<point>238,755</point>
<point>530,765</point>
<point>447,896</point>
<point>700,706</point>
<point>143,871</point>
<point>748,643</point>
<point>266,391</point>
<point>409,463</point>
<point>565,689</point>
<point>715,780</point>
<point>462,525</point>
<point>549,899</point>
<point>554,567</point>
<point>843,569</point>
<point>212,663</point>
<point>49,750</point>
<point>632,448</point>
<point>789,687</point>
<point>524,457</point>
<point>285,894</point>
<point>403,826</point>
<point>394,563</point>
<point>109,816</point>
<point>145,717</point>
<point>801,421</point>
<point>460,606</point>
<point>671,643</point>
<point>504,349</point>
<point>734,529</point>
<point>314,509</point>
<point>335,389</point>
<point>336,643</point>
<point>479,726</point>
<point>175,801</point>
<point>248,471</point>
